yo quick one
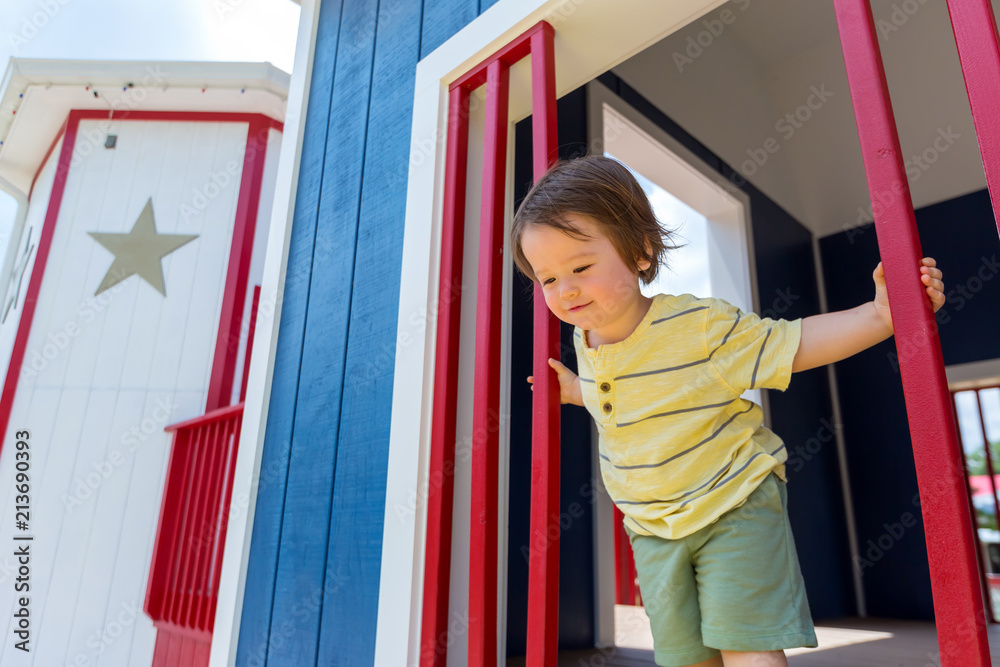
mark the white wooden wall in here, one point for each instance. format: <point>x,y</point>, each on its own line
<point>139,362</point>
<point>26,239</point>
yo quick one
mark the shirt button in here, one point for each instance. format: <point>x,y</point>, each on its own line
<point>607,407</point>
<point>605,386</point>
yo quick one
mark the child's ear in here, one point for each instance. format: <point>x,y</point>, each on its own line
<point>644,262</point>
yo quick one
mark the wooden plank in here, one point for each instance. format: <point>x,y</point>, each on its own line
<point>124,189</point>
<point>358,505</point>
<point>441,495</point>
<point>259,591</point>
<point>98,551</point>
<point>543,575</point>
<point>483,538</point>
<point>441,20</point>
<point>80,446</point>
<point>302,563</point>
<point>217,222</point>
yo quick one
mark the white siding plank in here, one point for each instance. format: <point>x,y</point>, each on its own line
<point>76,493</point>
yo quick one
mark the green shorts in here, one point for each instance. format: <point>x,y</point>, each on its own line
<point>734,585</point>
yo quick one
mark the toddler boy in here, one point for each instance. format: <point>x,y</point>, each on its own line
<point>700,480</point>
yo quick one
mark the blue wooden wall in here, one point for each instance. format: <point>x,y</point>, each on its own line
<point>313,577</point>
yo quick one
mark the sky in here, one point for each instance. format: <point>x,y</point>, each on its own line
<point>205,30</point>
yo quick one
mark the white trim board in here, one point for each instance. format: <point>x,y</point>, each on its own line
<point>591,37</point>
<point>244,497</point>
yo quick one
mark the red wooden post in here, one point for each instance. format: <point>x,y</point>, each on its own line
<point>486,393</point>
<point>958,603</point>
<point>483,622</point>
<point>543,562</point>
<point>441,472</point>
<point>975,31</point>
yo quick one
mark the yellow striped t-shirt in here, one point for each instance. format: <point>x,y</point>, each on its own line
<point>678,446</point>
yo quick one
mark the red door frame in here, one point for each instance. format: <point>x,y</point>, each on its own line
<point>224,361</point>
<point>543,552</point>
<point>944,503</point>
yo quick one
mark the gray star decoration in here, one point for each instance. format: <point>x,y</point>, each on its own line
<point>139,251</point>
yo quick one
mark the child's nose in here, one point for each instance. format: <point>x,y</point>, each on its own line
<point>569,290</point>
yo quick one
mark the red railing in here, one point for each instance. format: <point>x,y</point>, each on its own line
<point>543,582</point>
<point>183,586</point>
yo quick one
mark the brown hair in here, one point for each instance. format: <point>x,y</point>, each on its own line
<point>603,189</point>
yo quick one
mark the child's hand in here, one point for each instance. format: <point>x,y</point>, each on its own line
<point>569,383</point>
<point>930,276</point>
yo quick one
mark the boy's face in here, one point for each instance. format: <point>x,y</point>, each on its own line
<point>585,281</point>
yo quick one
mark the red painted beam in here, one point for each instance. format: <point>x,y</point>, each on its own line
<point>227,342</point>
<point>958,604</point>
<point>486,392</point>
<point>441,471</point>
<point>543,561</point>
<point>975,30</point>
<point>518,48</point>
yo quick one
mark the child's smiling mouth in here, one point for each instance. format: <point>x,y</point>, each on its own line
<point>578,308</point>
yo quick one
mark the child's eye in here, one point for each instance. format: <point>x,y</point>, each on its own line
<point>581,269</point>
<point>547,281</point>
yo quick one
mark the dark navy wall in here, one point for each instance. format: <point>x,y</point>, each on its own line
<point>313,576</point>
<point>802,416</point>
<point>962,235</point>
<point>577,484</point>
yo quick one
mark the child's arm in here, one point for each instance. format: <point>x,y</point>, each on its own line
<point>569,384</point>
<point>834,336</point>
